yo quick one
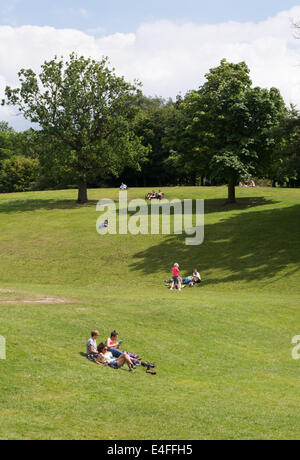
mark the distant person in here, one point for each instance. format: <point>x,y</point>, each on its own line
<point>123,186</point>
<point>196,276</point>
<point>176,282</point>
<point>192,280</point>
<point>105,224</point>
<point>91,346</point>
<point>160,195</point>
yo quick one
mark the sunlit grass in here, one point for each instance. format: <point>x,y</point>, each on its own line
<point>223,351</point>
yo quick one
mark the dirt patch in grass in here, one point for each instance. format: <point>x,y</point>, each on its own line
<point>51,300</point>
<point>7,296</point>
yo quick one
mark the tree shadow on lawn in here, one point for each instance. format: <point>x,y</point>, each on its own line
<point>211,205</point>
<point>255,245</point>
<point>48,205</point>
<point>214,205</point>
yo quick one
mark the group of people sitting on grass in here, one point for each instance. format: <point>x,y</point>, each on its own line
<point>155,196</point>
<point>109,354</point>
<point>177,283</point>
<point>251,183</point>
<point>123,186</point>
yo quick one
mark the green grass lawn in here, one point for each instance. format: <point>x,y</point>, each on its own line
<point>223,350</point>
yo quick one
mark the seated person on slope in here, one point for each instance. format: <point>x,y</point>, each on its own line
<point>91,346</point>
<point>104,225</point>
<point>105,357</point>
<point>113,345</point>
<point>160,195</point>
<point>196,276</point>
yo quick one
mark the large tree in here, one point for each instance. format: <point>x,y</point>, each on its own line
<point>87,111</point>
<point>226,125</point>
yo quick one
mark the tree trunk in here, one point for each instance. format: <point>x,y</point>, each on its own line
<point>231,191</point>
<point>82,192</point>
<point>274,183</point>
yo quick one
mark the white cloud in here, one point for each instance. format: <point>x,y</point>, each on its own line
<point>166,57</point>
<point>96,31</point>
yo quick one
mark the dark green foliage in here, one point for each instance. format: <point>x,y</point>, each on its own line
<point>6,140</point>
<point>18,174</point>
<point>155,116</point>
<point>284,165</point>
<point>98,130</point>
<point>224,128</point>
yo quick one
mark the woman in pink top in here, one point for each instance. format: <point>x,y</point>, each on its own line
<point>176,282</point>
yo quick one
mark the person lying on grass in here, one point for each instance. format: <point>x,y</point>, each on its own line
<point>194,279</point>
<point>105,357</point>
<point>91,346</point>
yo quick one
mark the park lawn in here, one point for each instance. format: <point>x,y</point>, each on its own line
<point>223,350</point>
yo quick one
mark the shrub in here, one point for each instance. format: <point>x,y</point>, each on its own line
<point>18,174</point>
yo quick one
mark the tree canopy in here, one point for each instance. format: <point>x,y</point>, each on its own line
<point>86,111</point>
<point>225,126</point>
<point>95,129</point>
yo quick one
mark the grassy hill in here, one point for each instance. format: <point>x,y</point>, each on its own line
<point>223,350</point>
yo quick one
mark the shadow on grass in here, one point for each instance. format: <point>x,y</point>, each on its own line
<point>211,205</point>
<point>255,245</point>
<point>48,205</point>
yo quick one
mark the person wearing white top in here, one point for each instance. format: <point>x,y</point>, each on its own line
<point>196,276</point>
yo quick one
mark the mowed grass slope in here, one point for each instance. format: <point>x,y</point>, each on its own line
<point>223,351</point>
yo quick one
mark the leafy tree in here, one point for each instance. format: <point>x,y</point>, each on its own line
<point>285,165</point>
<point>154,118</point>
<point>183,144</point>
<point>18,174</point>
<point>85,110</point>
<point>5,128</point>
<point>226,125</point>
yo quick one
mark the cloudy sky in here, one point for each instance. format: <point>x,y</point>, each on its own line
<point>168,45</point>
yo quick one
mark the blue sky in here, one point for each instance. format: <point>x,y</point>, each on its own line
<point>110,16</point>
<point>168,45</point>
